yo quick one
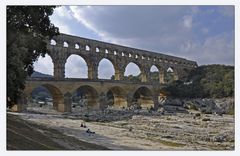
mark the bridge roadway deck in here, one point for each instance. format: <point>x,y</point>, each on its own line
<point>100,85</point>
<point>91,80</point>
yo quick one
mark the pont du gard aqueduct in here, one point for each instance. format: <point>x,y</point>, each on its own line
<point>146,92</point>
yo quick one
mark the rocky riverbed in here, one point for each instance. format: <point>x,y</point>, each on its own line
<point>142,130</point>
<point>205,105</point>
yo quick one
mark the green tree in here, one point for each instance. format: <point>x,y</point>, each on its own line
<point>28,28</point>
<point>207,81</point>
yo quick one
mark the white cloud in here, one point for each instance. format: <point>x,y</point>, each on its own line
<point>217,49</point>
<point>63,28</point>
<point>172,30</point>
<point>63,12</point>
<point>59,19</point>
<point>187,21</point>
<point>79,13</point>
<point>187,46</point>
<point>137,26</point>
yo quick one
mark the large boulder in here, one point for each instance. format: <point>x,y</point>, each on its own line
<point>173,102</point>
<point>209,106</point>
<point>204,105</point>
<point>225,105</point>
<point>174,105</point>
<point>174,109</point>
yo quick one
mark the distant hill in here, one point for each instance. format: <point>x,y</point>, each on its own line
<point>206,81</point>
<point>38,74</point>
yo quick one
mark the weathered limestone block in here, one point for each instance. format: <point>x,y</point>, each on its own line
<point>161,76</point>
<point>92,71</point>
<point>120,102</point>
<point>61,107</point>
<point>146,103</point>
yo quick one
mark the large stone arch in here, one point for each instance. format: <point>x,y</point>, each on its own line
<point>140,57</point>
<point>143,96</point>
<point>90,96</point>
<point>143,67</point>
<point>80,56</point>
<point>111,61</point>
<point>116,97</point>
<point>173,72</point>
<point>161,72</point>
<point>58,98</point>
<point>90,61</point>
<point>137,64</point>
<point>152,76</point>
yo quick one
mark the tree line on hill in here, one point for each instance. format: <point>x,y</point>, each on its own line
<point>207,81</point>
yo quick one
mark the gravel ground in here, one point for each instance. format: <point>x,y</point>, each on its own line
<point>25,135</point>
<point>193,131</point>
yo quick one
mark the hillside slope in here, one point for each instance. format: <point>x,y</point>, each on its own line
<point>38,74</point>
<point>206,81</point>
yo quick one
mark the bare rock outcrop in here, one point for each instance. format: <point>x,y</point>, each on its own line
<point>204,105</point>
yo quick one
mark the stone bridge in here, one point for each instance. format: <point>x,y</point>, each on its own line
<point>97,91</point>
<point>123,92</point>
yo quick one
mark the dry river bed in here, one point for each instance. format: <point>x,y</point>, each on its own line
<point>162,132</point>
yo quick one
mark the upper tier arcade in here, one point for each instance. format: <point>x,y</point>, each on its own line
<point>93,51</point>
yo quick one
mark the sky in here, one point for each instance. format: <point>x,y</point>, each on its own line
<point>204,34</point>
